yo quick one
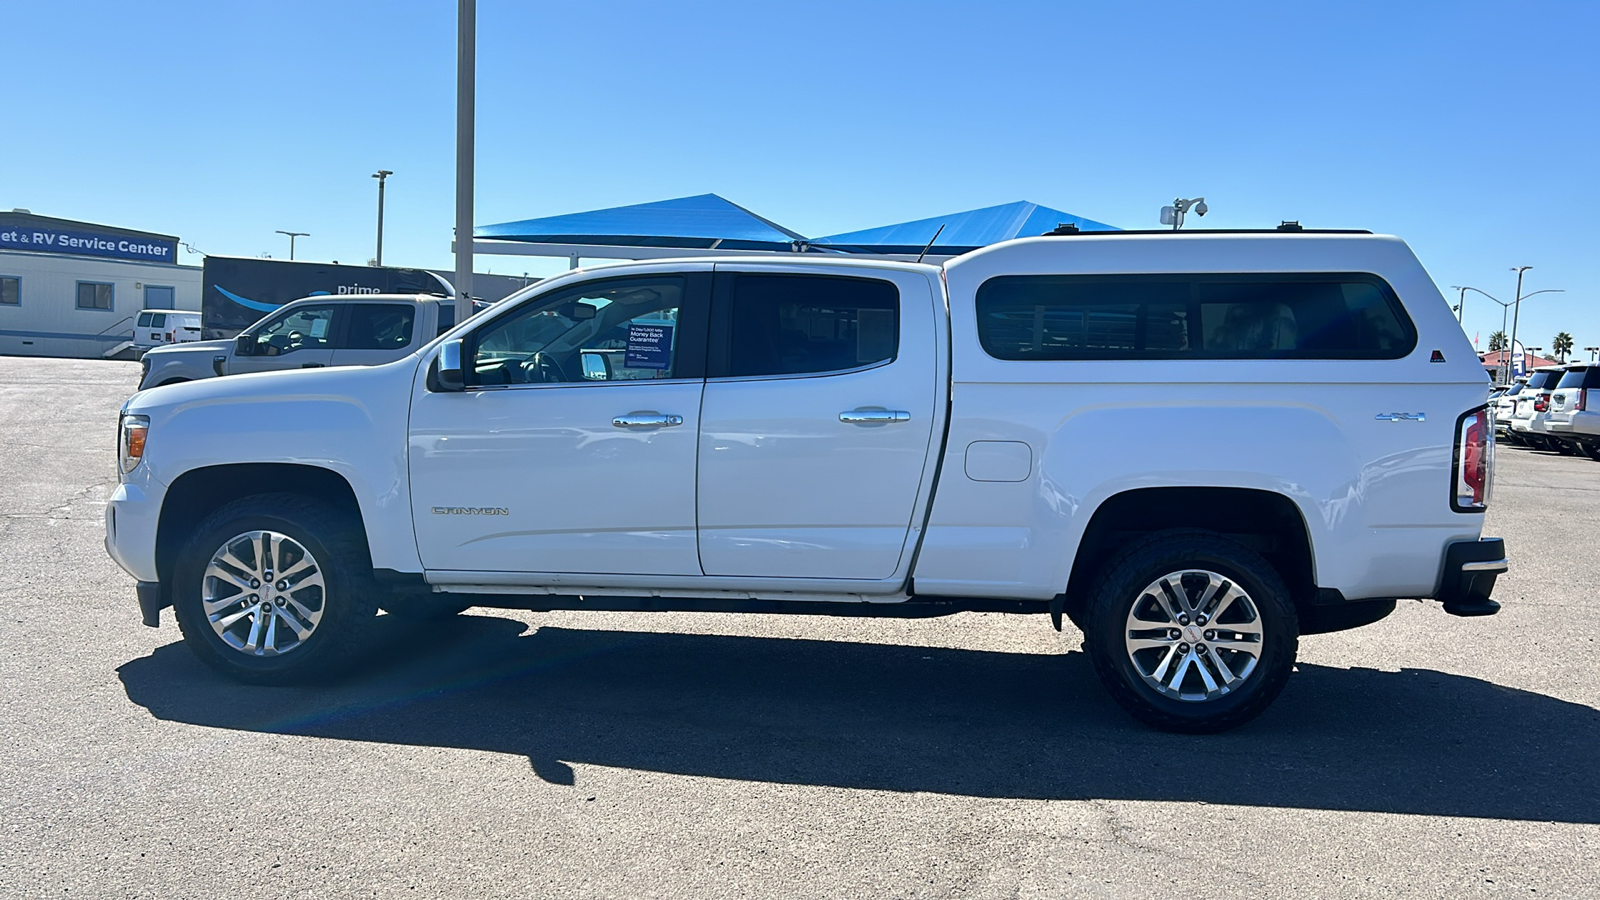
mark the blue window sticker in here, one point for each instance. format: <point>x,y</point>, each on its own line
<point>649,346</point>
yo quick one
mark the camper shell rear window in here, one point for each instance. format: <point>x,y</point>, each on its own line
<point>1337,315</point>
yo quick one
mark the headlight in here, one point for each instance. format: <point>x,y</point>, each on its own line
<point>130,441</point>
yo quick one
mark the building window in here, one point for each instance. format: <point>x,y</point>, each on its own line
<point>10,291</point>
<point>94,296</point>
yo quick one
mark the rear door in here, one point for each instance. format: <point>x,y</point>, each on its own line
<point>817,421</point>
<point>376,333</point>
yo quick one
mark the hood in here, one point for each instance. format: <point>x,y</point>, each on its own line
<point>277,386</point>
<point>209,348</point>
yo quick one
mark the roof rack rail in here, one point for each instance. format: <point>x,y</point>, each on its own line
<point>1287,227</point>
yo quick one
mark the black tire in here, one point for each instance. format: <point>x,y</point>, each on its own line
<point>347,601</point>
<point>1121,584</point>
<point>1592,451</point>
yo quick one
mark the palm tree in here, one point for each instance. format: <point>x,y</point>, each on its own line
<point>1561,345</point>
<point>1497,341</point>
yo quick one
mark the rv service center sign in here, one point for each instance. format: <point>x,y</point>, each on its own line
<point>88,243</point>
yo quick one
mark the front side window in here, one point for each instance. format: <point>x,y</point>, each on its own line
<point>1311,316</point>
<point>10,291</point>
<point>94,296</point>
<point>306,328</point>
<point>805,324</point>
<point>379,326</point>
<point>620,330</point>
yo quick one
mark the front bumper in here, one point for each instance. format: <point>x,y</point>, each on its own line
<point>1470,570</point>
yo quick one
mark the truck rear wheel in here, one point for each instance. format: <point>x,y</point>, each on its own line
<point>274,589</point>
<point>1191,632</point>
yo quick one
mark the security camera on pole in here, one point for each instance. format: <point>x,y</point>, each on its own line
<point>1173,215</point>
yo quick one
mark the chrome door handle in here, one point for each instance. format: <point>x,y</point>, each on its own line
<point>874,416</point>
<point>646,420</point>
<point>1402,417</point>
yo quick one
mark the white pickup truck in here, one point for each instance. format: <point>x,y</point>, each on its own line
<point>1197,447</point>
<point>311,333</point>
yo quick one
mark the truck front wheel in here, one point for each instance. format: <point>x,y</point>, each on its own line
<point>1191,632</point>
<point>274,588</point>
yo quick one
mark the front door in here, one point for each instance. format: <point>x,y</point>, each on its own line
<point>817,422</point>
<point>572,448</point>
<point>298,338</point>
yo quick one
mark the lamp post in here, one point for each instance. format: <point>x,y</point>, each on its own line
<point>1516,304</point>
<point>466,79</point>
<point>292,235</point>
<point>1594,353</point>
<point>1461,304</point>
<point>382,175</point>
<point>1505,353</point>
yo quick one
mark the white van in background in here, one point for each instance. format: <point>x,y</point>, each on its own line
<point>156,327</point>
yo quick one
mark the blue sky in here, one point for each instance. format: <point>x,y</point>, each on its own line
<point>1467,128</point>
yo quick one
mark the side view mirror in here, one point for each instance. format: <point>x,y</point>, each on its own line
<point>447,374</point>
<point>244,345</point>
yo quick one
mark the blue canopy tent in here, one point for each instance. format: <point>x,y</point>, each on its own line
<point>708,225</point>
<point>703,222</point>
<point>963,231</point>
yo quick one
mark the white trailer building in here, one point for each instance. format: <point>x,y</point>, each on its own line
<point>75,289</point>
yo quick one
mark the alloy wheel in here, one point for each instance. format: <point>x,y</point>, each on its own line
<point>1194,635</point>
<point>263,593</point>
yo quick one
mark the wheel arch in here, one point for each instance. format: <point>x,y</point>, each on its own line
<point>1268,522</point>
<point>197,492</point>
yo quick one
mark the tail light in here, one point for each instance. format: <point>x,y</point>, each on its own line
<point>1474,461</point>
<point>1583,400</point>
<point>1541,403</point>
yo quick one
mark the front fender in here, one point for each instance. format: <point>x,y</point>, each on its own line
<point>349,421</point>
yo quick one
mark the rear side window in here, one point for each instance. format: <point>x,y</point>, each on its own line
<point>804,324</point>
<point>158,320</point>
<point>1254,316</point>
<point>1580,378</point>
<point>1542,381</point>
<point>379,326</point>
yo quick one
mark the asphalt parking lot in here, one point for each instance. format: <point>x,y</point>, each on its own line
<point>686,755</point>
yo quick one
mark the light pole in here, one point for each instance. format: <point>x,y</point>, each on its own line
<point>1461,304</point>
<point>292,235</point>
<point>1505,352</point>
<point>466,77</point>
<point>1516,311</point>
<point>1594,353</point>
<point>382,175</point>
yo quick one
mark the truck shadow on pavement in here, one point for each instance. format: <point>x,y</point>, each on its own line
<point>898,718</point>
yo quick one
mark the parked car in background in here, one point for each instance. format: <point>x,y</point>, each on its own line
<point>1574,415</point>
<point>357,330</point>
<point>1502,405</point>
<point>1531,406</point>
<point>157,327</point>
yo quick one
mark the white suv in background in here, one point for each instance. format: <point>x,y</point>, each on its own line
<point>1574,411</point>
<point>1527,418</point>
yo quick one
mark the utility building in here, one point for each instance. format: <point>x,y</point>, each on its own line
<point>75,289</point>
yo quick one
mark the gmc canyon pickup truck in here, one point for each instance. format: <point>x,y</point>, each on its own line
<point>1195,447</point>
